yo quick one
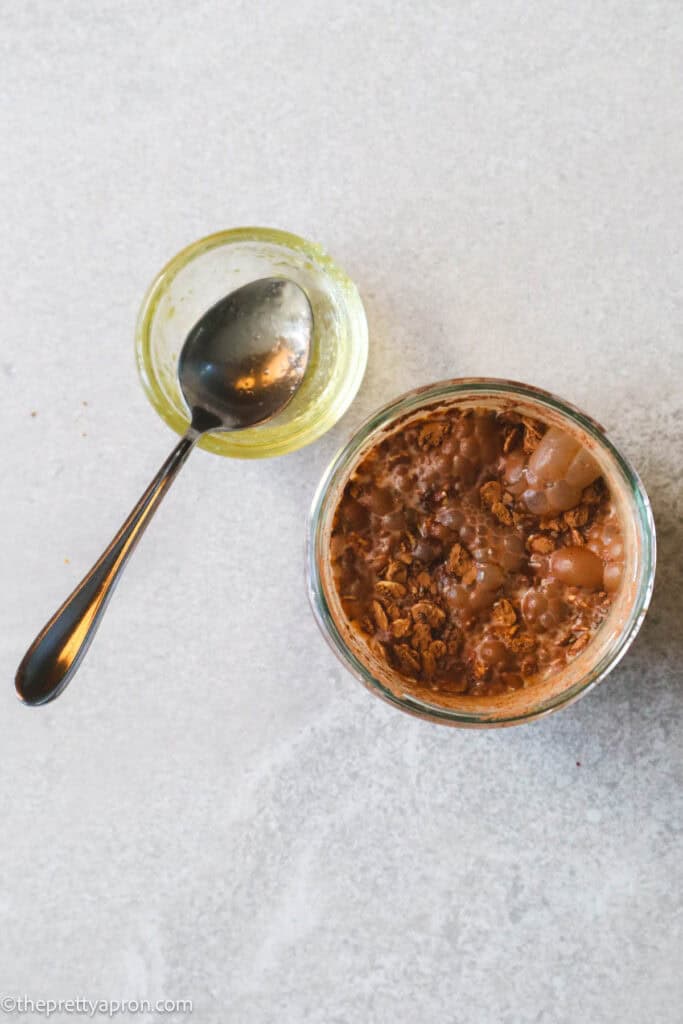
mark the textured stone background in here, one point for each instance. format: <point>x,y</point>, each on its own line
<point>216,810</point>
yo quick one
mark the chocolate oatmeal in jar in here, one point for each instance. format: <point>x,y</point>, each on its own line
<point>482,554</point>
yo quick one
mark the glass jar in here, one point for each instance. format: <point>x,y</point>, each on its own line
<point>209,269</point>
<point>626,612</point>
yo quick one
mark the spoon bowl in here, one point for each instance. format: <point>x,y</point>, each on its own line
<point>245,359</point>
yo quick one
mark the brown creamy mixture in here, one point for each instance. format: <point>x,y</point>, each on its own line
<point>476,552</point>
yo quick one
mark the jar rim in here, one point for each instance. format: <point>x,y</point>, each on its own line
<point>412,402</point>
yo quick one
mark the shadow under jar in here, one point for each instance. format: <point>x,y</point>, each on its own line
<point>480,554</point>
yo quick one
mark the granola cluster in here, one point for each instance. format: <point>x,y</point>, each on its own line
<point>476,552</point>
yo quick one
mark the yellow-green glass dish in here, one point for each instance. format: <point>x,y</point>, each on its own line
<point>212,267</point>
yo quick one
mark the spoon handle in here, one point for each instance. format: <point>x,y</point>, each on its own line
<point>55,654</point>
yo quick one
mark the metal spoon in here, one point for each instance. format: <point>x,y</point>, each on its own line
<point>240,365</point>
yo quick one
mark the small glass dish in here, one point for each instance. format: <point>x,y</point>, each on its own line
<point>212,267</point>
<point>614,636</point>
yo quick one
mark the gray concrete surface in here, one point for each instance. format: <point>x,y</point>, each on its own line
<point>215,811</point>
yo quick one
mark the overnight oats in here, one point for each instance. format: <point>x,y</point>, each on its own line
<point>480,553</point>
